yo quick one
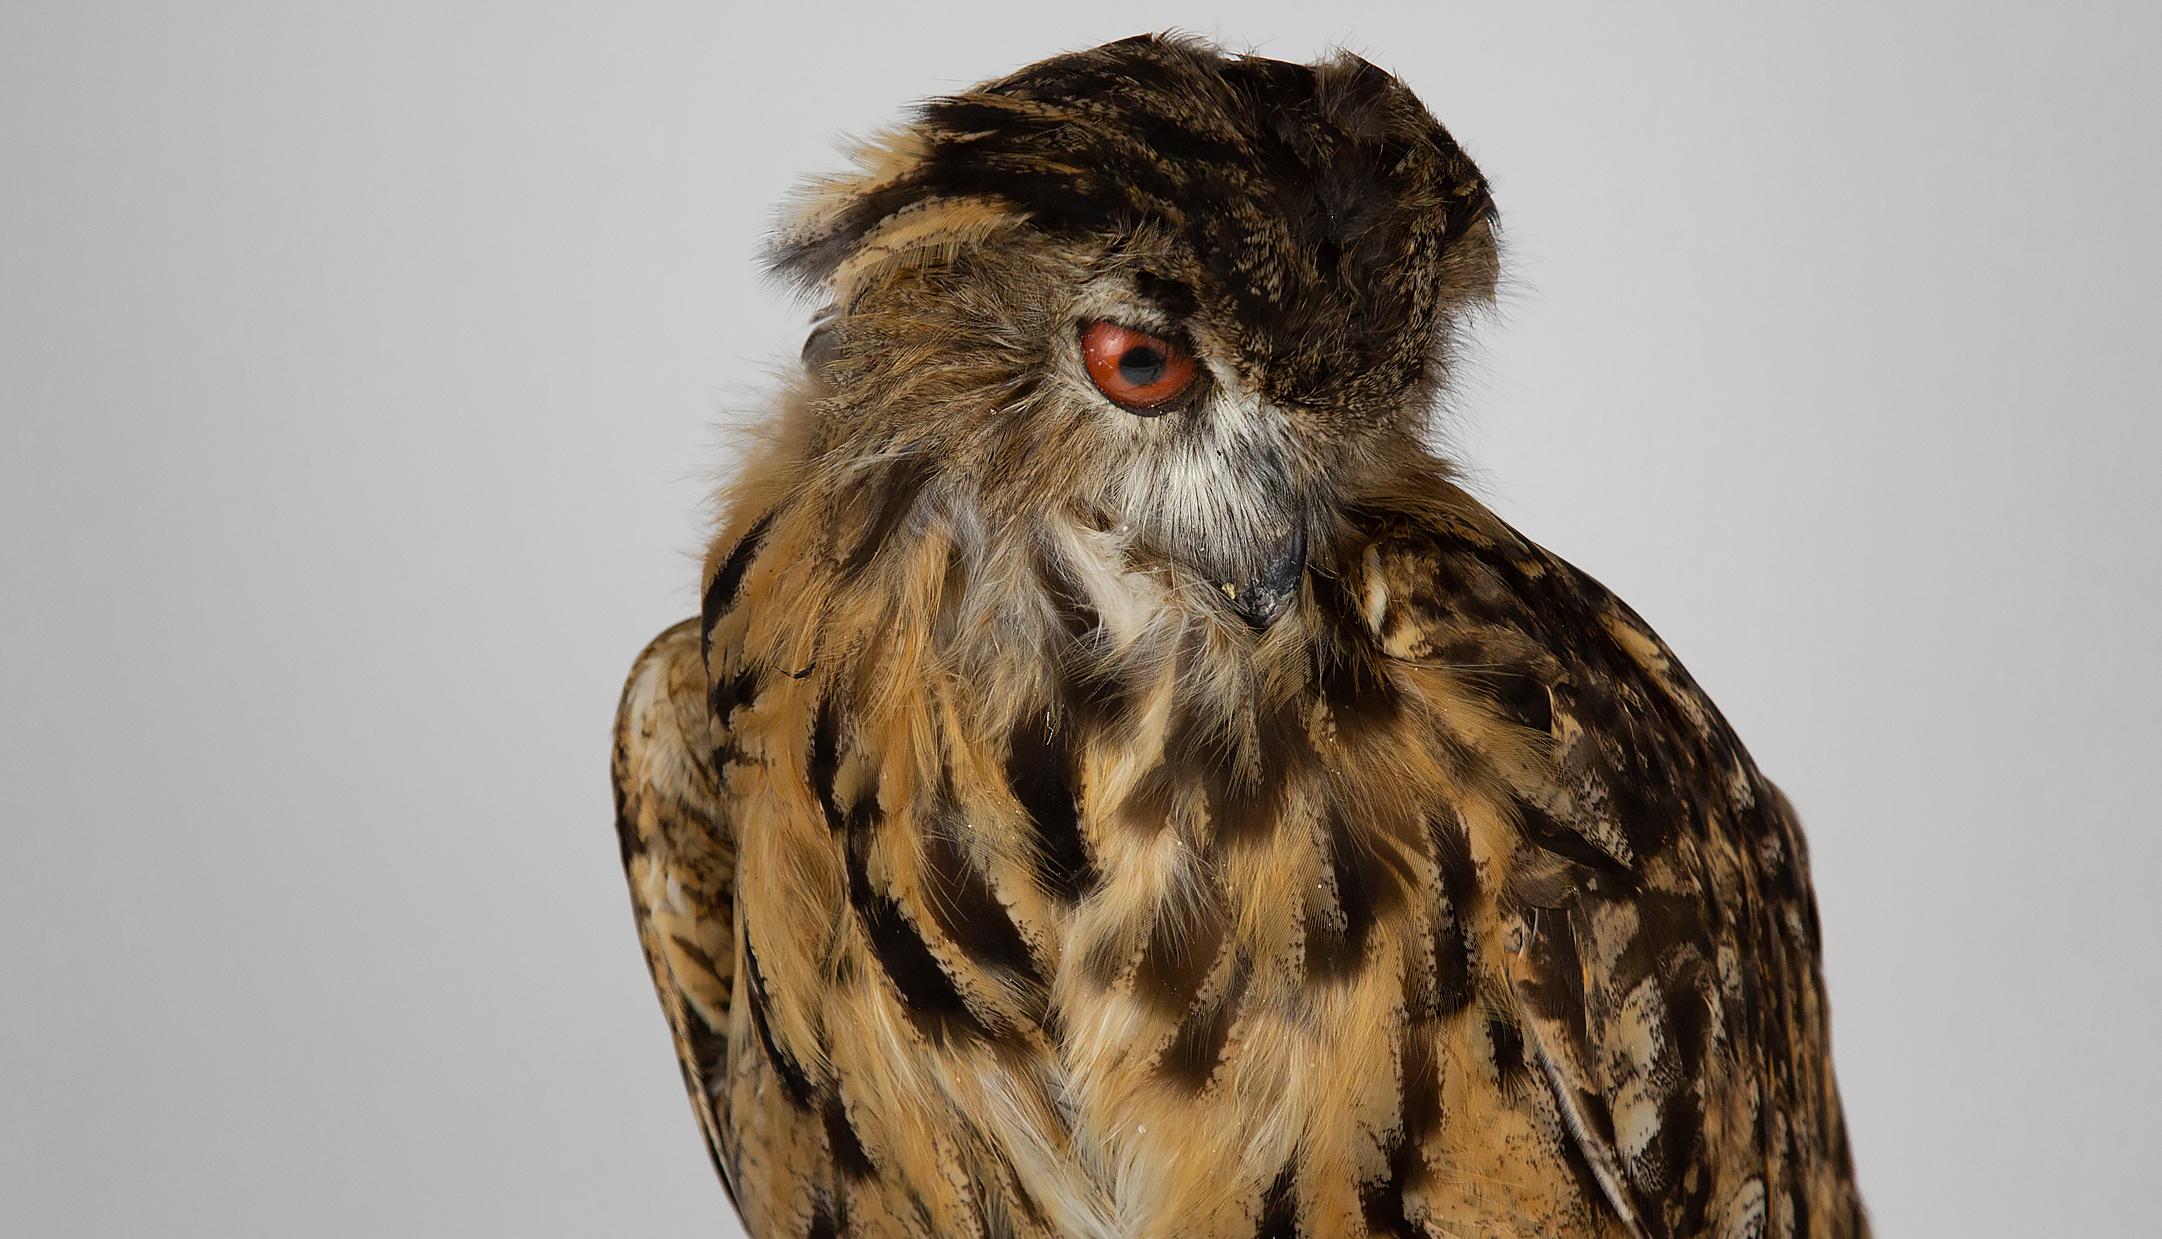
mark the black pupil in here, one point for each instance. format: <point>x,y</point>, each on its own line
<point>1141,366</point>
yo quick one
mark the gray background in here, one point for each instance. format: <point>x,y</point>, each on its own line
<point>359,370</point>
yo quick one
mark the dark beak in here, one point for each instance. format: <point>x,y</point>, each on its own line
<point>1272,591</point>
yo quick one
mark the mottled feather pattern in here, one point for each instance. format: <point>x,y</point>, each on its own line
<point>679,854</point>
<point>997,879</point>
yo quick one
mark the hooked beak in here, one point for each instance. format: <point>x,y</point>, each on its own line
<point>1271,592</point>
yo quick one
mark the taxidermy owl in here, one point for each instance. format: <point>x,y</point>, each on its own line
<point>1119,785</point>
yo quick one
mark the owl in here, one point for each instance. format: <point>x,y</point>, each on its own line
<point>1120,785</point>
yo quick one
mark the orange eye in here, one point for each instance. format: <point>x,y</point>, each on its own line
<point>1138,372</point>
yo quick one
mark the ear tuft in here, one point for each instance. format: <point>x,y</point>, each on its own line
<point>844,233</point>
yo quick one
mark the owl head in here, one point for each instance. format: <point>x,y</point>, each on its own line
<point>1198,302</point>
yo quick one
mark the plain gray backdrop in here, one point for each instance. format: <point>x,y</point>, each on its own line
<point>360,366</point>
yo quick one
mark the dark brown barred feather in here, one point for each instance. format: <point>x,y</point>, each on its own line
<point>927,992</point>
<point>1280,1208</point>
<point>794,1081</point>
<point>1040,772</point>
<point>1197,1049</point>
<point>969,913</point>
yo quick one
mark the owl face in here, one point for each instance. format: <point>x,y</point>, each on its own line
<point>1192,300</point>
<point>1195,465</point>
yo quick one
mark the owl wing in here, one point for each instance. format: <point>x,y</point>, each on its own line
<point>1662,932</point>
<point>679,853</point>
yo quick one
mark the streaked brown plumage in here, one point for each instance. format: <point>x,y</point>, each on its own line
<point>1070,818</point>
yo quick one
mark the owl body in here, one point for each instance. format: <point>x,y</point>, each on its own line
<point>1082,810</point>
